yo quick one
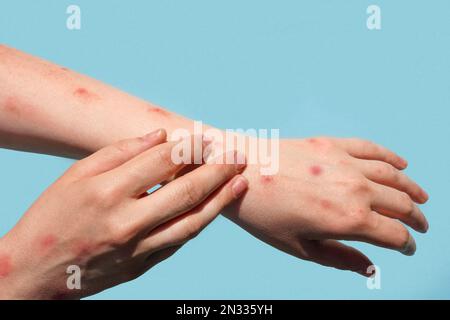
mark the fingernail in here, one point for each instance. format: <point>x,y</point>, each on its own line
<point>364,273</point>
<point>424,195</point>
<point>403,163</point>
<point>426,227</point>
<point>239,186</point>
<point>154,134</point>
<point>240,161</point>
<point>410,247</point>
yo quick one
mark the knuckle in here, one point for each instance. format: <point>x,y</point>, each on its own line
<point>104,197</point>
<point>192,229</point>
<point>404,198</point>
<point>394,174</point>
<point>353,140</point>
<point>391,158</point>
<point>164,156</point>
<point>133,173</point>
<point>367,143</point>
<point>359,185</point>
<point>120,148</point>
<point>353,222</point>
<point>369,146</point>
<point>326,142</point>
<point>407,204</point>
<point>77,167</point>
<point>385,170</point>
<point>189,193</point>
<point>357,222</point>
<point>391,169</point>
<point>118,234</point>
<point>389,172</point>
<point>322,143</point>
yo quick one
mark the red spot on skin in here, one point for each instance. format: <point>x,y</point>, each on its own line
<point>266,180</point>
<point>85,95</point>
<point>17,107</point>
<point>364,188</point>
<point>46,243</point>
<point>11,106</point>
<point>325,204</point>
<point>315,170</point>
<point>82,249</point>
<point>5,266</point>
<point>159,111</point>
<point>319,144</point>
<point>82,92</point>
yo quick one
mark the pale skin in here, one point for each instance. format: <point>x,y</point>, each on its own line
<point>99,217</point>
<point>327,189</point>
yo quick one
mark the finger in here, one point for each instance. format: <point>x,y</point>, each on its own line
<point>363,149</point>
<point>144,262</point>
<point>385,232</point>
<point>182,172</point>
<point>384,173</point>
<point>185,227</point>
<point>332,253</point>
<point>155,165</point>
<point>116,154</point>
<point>396,204</point>
<point>189,191</point>
<point>160,256</point>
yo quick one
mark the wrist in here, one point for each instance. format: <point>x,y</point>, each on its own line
<point>21,275</point>
<point>10,272</point>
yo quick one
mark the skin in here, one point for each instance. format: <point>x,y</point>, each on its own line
<point>327,189</point>
<point>99,217</point>
<point>359,193</point>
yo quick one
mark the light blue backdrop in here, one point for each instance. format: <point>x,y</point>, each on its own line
<point>307,67</point>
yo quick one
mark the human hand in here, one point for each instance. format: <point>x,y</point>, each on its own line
<point>330,189</point>
<point>99,217</point>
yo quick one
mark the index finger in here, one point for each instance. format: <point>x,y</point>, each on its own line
<point>155,165</point>
<point>364,149</point>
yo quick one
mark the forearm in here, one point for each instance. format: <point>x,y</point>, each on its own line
<point>49,109</point>
<point>324,189</point>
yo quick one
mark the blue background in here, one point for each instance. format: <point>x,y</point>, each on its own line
<point>307,67</point>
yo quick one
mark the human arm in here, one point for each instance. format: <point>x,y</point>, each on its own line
<point>98,219</point>
<point>358,190</point>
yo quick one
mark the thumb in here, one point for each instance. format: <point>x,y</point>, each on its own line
<point>332,253</point>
